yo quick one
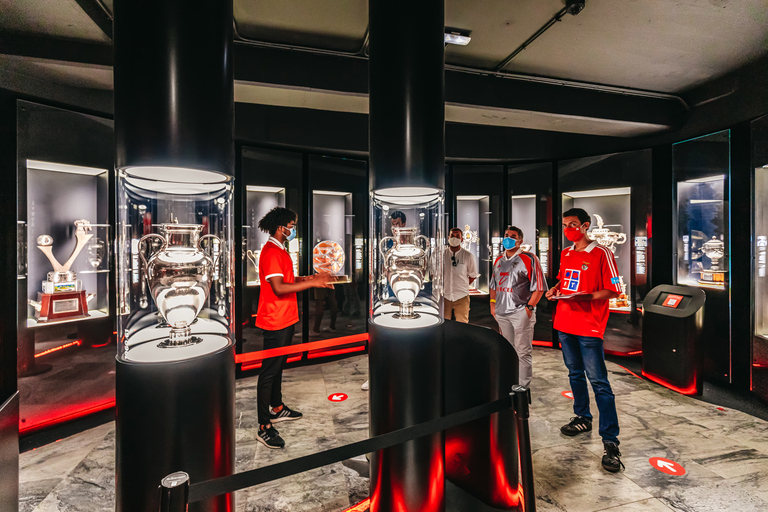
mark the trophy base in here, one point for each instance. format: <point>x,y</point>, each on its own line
<point>343,279</point>
<point>412,316</point>
<point>61,306</point>
<point>168,343</point>
<point>712,277</point>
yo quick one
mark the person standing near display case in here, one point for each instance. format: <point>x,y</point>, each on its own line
<point>587,280</point>
<point>516,286</point>
<point>277,315</point>
<point>460,270</point>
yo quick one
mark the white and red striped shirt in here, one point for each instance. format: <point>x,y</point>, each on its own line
<point>515,279</point>
<point>587,271</point>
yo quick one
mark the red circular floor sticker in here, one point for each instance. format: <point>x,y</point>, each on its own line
<point>667,466</point>
<point>337,397</point>
<point>567,394</point>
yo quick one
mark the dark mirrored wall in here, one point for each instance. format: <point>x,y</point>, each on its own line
<point>759,356</point>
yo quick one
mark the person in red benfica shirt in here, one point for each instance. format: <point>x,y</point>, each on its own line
<point>588,278</point>
<point>277,315</point>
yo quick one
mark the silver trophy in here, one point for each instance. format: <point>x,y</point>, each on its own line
<point>179,276</point>
<point>605,236</point>
<point>714,249</point>
<point>406,266</point>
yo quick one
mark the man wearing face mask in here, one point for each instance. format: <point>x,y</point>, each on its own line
<point>588,278</point>
<point>516,287</point>
<point>460,271</point>
<point>277,315</point>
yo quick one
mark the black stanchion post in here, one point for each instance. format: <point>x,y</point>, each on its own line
<point>174,492</point>
<point>521,398</point>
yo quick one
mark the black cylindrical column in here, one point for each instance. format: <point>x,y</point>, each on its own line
<point>174,89</point>
<point>174,417</point>
<point>406,93</point>
<point>406,388</point>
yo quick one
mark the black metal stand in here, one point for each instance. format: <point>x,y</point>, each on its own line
<point>521,397</point>
<point>406,388</point>
<point>173,416</point>
<point>174,492</point>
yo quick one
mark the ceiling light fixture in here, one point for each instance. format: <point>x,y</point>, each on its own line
<point>455,37</point>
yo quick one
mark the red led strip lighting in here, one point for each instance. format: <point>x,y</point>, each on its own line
<point>539,343</point>
<point>363,506</point>
<point>333,343</point>
<point>690,390</point>
<point>68,415</point>
<point>56,349</point>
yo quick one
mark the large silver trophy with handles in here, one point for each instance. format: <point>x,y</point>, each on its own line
<point>406,265</point>
<point>179,275</point>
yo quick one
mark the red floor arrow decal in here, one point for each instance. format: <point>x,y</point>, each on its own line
<point>667,466</point>
<point>337,397</point>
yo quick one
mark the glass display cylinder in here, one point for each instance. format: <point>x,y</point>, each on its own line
<point>407,243</point>
<point>174,262</point>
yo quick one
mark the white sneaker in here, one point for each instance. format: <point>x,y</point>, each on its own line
<point>313,332</point>
<point>364,387</point>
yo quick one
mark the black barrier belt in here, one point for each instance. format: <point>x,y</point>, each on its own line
<point>210,488</point>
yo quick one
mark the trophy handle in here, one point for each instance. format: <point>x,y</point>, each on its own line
<point>426,242</point>
<point>143,301</point>
<point>221,247</point>
<point>251,255</point>
<point>427,255</point>
<point>381,245</point>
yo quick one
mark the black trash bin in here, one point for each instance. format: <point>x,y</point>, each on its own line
<point>673,317</point>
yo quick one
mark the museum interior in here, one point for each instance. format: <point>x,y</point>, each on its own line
<point>163,133</point>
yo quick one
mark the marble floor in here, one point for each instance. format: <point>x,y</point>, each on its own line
<point>724,452</point>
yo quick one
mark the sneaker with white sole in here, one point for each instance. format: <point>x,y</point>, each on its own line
<point>612,457</point>
<point>577,425</point>
<point>270,438</point>
<point>285,414</point>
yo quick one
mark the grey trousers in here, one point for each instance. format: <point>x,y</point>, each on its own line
<point>517,328</point>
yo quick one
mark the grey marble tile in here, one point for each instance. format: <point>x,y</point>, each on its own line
<point>579,483</point>
<point>649,505</point>
<point>31,493</point>
<point>717,498</point>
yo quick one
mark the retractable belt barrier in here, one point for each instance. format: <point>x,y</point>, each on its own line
<point>177,491</point>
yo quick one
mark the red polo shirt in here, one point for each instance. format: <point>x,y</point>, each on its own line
<point>588,271</point>
<point>275,311</point>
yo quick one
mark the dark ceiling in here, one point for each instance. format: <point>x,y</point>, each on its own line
<point>620,69</point>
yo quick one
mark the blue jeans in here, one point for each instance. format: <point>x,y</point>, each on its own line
<point>585,354</point>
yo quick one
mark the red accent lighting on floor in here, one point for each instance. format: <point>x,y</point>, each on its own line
<point>64,414</point>
<point>539,343</point>
<point>60,347</point>
<point>630,371</point>
<point>363,506</point>
<point>690,390</point>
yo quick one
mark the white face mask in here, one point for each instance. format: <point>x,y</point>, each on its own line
<point>454,242</point>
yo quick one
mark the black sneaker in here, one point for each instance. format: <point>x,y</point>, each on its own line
<point>285,414</point>
<point>612,458</point>
<point>270,438</point>
<point>577,425</point>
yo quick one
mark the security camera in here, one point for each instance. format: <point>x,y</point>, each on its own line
<point>574,7</point>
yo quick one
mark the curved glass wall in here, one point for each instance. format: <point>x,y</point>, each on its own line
<point>407,239</point>
<point>174,263</point>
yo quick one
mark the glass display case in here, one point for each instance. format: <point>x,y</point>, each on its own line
<point>407,243</point>
<point>68,268</point>
<point>610,227</point>
<point>268,178</point>
<point>702,168</point>
<point>174,260</point>
<point>338,223</point>
<point>759,362</point>
<point>702,242</point>
<point>473,218</point>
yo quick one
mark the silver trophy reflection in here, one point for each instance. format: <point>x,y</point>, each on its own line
<point>405,265</point>
<point>179,276</point>
<point>713,249</point>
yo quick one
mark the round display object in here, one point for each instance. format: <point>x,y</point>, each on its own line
<point>328,258</point>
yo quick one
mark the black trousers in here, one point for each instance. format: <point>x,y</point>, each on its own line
<point>270,386</point>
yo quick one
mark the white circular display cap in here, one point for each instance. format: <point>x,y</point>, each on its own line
<point>389,320</point>
<point>150,352</point>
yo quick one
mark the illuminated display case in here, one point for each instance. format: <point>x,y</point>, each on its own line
<point>610,212</point>
<point>339,206</point>
<point>268,178</point>
<point>759,362</point>
<point>175,286</point>
<point>407,243</point>
<point>479,214</point>
<point>701,170</point>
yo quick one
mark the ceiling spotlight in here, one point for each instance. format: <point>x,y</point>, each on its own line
<point>574,7</point>
<point>457,38</point>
